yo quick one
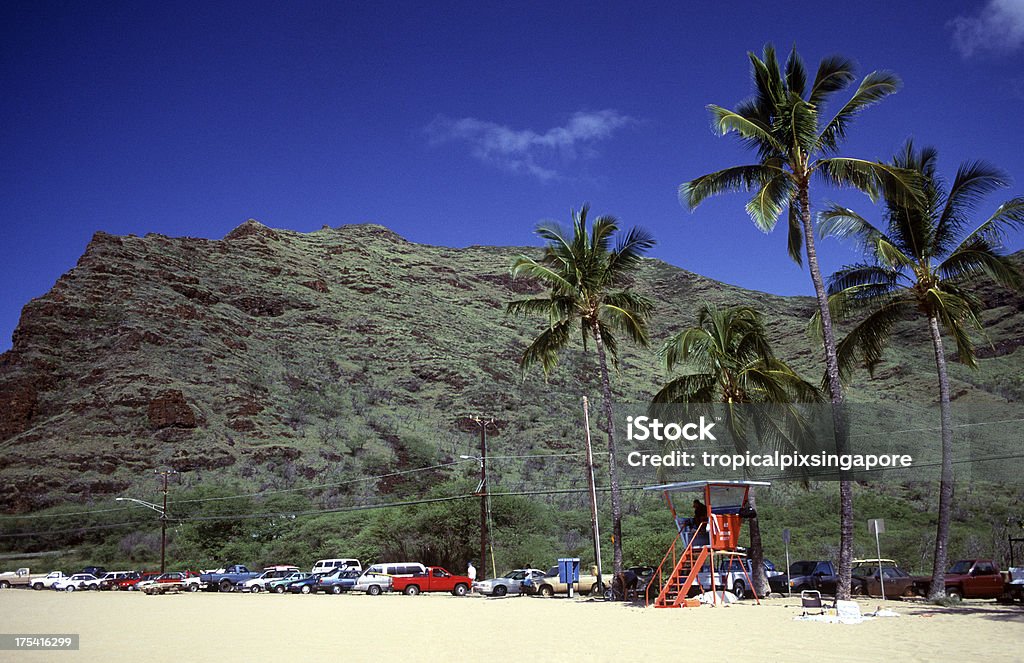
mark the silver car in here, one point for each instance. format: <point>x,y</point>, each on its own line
<point>506,584</point>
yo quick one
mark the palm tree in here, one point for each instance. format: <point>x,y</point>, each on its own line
<point>588,291</point>
<point>727,358</point>
<point>784,123</point>
<point>925,264</point>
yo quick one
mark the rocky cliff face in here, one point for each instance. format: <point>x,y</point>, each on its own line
<point>272,357</point>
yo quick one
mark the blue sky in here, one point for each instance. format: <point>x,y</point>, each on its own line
<point>452,123</point>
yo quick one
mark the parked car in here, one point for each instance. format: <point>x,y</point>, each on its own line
<point>280,585</point>
<point>550,584</point>
<point>867,580</point>
<point>260,582</point>
<point>435,579</point>
<point>227,579</point>
<point>97,571</point>
<point>46,582</point>
<point>110,579</point>
<point>338,581</point>
<point>806,574</point>
<point>377,578</point>
<point>131,584</point>
<point>733,574</point>
<point>77,581</point>
<point>325,566</point>
<point>968,579</point>
<point>306,585</point>
<point>506,584</point>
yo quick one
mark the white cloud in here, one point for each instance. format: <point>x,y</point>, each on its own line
<point>998,28</point>
<point>526,150</point>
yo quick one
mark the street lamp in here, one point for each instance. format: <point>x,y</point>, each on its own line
<point>163,515</point>
<point>163,524</point>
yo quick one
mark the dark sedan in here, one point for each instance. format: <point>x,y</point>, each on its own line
<point>338,581</point>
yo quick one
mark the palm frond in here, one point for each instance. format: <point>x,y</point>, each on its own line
<point>736,178</point>
<point>766,206</point>
<point>956,314</point>
<point>527,266</point>
<point>796,73</point>
<point>795,239</point>
<point>834,73</point>
<point>865,343</point>
<point>546,347</point>
<point>981,259</point>
<point>974,180</point>
<point>871,177</point>
<point>1008,216</point>
<point>724,120</point>
<point>875,87</point>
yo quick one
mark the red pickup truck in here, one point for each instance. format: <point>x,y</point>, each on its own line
<point>968,579</point>
<point>435,579</point>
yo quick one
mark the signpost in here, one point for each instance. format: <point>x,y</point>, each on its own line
<point>789,585</point>
<point>876,526</point>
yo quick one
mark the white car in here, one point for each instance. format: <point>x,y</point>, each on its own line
<point>46,582</point>
<point>506,584</point>
<point>77,581</point>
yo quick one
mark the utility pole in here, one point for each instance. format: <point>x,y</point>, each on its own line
<point>163,521</point>
<point>593,490</point>
<point>484,493</point>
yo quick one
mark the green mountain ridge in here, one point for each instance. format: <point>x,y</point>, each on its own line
<point>272,359</point>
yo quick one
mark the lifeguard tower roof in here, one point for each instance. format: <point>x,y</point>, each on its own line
<point>684,486</point>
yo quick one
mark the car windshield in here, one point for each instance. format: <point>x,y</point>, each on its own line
<point>802,568</point>
<point>963,566</point>
<point>518,574</point>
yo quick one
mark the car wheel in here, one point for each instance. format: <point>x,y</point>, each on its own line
<point>37,586</point>
<point>336,589</point>
<point>306,589</point>
<point>500,590</point>
<point>373,590</point>
<point>547,591</point>
<point>256,589</point>
<point>69,588</point>
<point>194,587</point>
<point>460,589</point>
<point>857,590</point>
<point>954,594</point>
<point>279,589</point>
<point>4,584</point>
<point>739,589</point>
<point>226,586</point>
<point>411,590</point>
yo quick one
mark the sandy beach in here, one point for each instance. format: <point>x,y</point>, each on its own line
<point>129,626</point>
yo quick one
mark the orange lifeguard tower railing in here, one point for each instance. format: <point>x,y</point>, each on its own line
<point>696,544</point>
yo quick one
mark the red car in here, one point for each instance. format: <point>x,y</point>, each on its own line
<point>130,583</point>
<point>435,579</point>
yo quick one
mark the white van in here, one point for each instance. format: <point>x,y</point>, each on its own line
<point>377,578</point>
<point>328,565</point>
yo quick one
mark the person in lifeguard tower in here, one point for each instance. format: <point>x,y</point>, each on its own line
<point>700,514</point>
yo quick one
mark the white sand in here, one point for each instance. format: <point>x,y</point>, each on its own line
<point>130,626</point>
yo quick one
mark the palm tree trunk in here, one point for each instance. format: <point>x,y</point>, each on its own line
<point>835,388</point>
<point>613,468</point>
<point>758,577</point>
<point>938,585</point>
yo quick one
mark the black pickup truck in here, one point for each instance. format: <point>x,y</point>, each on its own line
<point>806,574</point>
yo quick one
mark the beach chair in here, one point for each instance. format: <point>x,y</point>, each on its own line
<point>810,599</point>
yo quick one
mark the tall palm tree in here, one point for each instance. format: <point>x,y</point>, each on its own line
<point>784,123</point>
<point>588,291</point>
<point>727,358</point>
<point>925,264</point>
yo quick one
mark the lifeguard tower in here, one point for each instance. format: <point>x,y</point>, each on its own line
<point>699,543</point>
